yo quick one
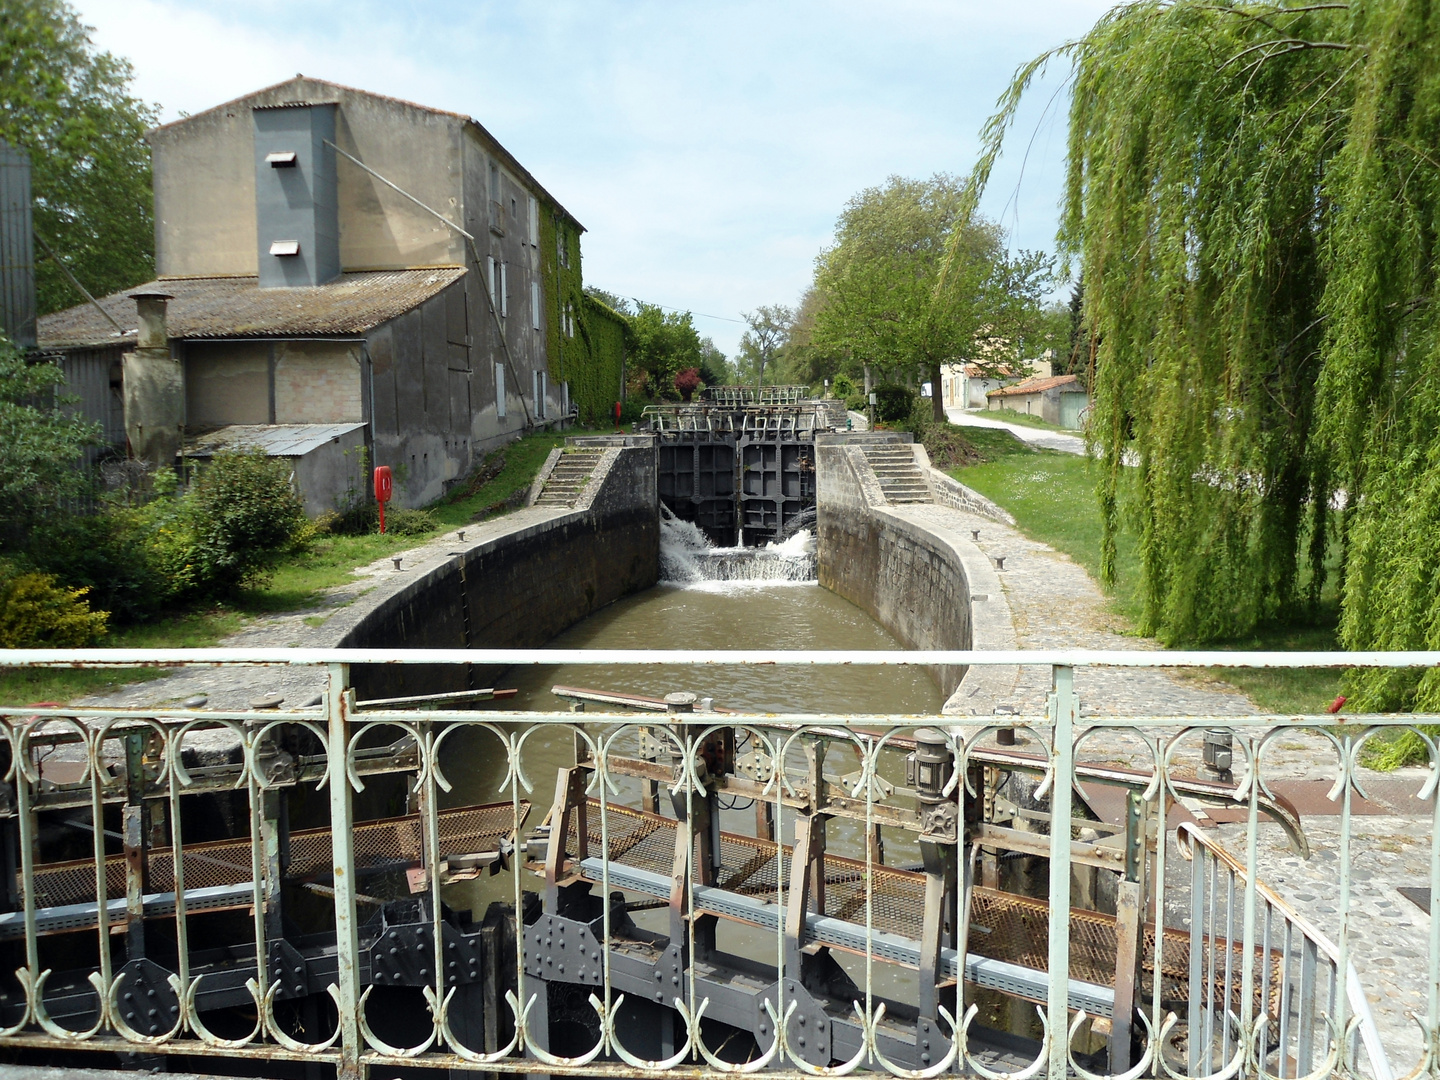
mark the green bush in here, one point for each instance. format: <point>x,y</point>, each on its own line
<point>108,554</point>
<point>410,522</point>
<point>893,403</point>
<point>241,511</point>
<point>36,612</point>
<point>857,403</point>
<point>843,387</point>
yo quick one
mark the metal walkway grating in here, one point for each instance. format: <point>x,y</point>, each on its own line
<point>1003,926</point>
<point>464,830</point>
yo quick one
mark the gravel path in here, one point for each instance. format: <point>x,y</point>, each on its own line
<point>1050,440</point>
<point>1054,603</point>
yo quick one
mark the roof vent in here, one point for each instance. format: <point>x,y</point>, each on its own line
<point>285,247</point>
<point>281,159</point>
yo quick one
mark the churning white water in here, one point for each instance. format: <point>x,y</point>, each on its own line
<point>687,557</point>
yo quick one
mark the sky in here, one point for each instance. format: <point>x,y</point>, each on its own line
<point>707,148</point>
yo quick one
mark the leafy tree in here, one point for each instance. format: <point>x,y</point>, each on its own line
<point>1254,204</point>
<point>42,442</point>
<point>715,370</point>
<point>915,278</point>
<point>665,344</point>
<point>70,107</point>
<point>763,344</point>
<point>806,361</point>
<point>687,382</point>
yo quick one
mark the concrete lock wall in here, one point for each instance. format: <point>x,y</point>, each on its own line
<point>520,588</point>
<point>906,578</point>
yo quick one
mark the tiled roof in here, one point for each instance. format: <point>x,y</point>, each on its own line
<point>230,307</point>
<point>1035,385</point>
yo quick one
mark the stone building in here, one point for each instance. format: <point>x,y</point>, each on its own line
<point>1059,399</point>
<point>333,259</point>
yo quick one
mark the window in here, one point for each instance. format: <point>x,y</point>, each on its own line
<point>534,222</point>
<point>500,391</point>
<point>504,290</point>
<point>562,248</point>
<point>540,389</point>
<point>490,274</point>
<point>535,305</point>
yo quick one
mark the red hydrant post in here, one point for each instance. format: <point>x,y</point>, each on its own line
<point>383,489</point>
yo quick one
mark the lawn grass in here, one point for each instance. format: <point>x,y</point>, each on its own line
<point>200,629</point>
<point>1010,416</point>
<point>298,579</point>
<point>1052,496</point>
<point>295,581</point>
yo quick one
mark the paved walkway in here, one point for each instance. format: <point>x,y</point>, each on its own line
<point>1050,440</point>
<point>1054,603</point>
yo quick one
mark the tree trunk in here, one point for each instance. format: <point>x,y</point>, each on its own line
<point>937,403</point>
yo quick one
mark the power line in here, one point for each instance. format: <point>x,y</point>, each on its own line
<point>687,311</point>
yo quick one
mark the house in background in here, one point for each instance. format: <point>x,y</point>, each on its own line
<point>1056,399</point>
<point>382,274</point>
<point>965,385</point>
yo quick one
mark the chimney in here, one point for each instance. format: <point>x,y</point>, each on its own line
<point>154,387</point>
<point>17,248</point>
<point>296,207</point>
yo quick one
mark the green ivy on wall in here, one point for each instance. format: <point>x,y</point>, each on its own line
<point>600,384</point>
<point>585,339</point>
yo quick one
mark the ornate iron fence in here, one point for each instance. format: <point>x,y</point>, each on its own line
<point>865,922</point>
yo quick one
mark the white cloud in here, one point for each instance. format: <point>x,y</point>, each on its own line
<point>707,148</point>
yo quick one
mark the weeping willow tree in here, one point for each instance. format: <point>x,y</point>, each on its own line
<point>1252,198</point>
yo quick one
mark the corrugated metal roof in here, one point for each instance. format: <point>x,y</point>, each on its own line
<point>1035,385</point>
<point>277,440</point>
<point>231,307</point>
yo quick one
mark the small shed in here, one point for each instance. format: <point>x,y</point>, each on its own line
<point>328,461</point>
<point>1056,399</point>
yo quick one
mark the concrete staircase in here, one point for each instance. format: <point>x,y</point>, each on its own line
<point>570,475</point>
<point>900,478</point>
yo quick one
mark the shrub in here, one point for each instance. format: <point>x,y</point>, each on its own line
<point>687,382</point>
<point>410,522</point>
<point>240,513</point>
<point>843,387</point>
<point>110,555</point>
<point>893,403</point>
<point>36,612</point>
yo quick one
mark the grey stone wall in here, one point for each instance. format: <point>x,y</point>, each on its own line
<point>902,575</point>
<point>521,587</point>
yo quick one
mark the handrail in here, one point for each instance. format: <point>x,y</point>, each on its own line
<point>1360,1006</point>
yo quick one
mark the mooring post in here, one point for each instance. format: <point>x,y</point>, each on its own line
<point>1063,710</point>
<point>339,701</point>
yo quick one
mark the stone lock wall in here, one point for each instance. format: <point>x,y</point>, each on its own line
<point>904,576</point>
<point>520,588</point>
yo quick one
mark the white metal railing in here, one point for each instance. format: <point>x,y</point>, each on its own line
<point>1267,1003</point>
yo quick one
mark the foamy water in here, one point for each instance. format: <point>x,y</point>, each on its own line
<point>690,560</point>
